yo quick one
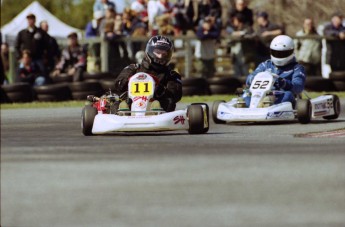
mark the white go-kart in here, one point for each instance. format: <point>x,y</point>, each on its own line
<point>262,107</point>
<point>102,116</point>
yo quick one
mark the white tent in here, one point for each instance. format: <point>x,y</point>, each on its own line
<point>57,28</point>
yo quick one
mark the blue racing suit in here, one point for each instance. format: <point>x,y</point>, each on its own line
<point>293,77</point>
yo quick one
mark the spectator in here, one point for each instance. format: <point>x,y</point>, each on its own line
<point>209,8</point>
<point>117,54</point>
<point>208,33</point>
<point>336,28</point>
<point>165,25</point>
<point>335,45</point>
<point>266,32</point>
<point>156,9</point>
<point>118,24</point>
<point>29,71</point>
<point>93,27</point>
<point>108,20</point>
<point>2,70</point>
<point>308,51</point>
<point>52,56</point>
<point>129,20</point>
<point>5,61</point>
<point>73,60</point>
<point>34,40</point>
<point>241,8</point>
<point>241,48</point>
<point>183,14</point>
<point>140,7</point>
<point>103,5</point>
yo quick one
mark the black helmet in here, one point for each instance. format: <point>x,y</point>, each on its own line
<point>159,50</point>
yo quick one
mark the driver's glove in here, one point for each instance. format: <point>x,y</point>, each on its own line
<point>280,83</point>
<point>159,91</point>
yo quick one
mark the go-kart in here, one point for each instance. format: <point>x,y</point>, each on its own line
<point>262,107</point>
<point>103,116</point>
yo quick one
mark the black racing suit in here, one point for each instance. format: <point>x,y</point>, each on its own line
<point>168,91</point>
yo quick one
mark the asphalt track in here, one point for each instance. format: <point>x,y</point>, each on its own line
<point>236,175</point>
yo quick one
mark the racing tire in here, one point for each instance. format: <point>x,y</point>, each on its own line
<point>195,115</point>
<point>87,118</point>
<point>206,113</point>
<point>303,107</point>
<point>336,107</point>
<point>214,112</point>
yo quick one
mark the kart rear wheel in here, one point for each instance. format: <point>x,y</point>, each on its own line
<point>195,115</point>
<point>336,107</point>
<point>87,117</point>
<point>303,107</point>
<point>214,112</point>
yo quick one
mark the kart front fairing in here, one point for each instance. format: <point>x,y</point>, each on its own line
<point>230,113</point>
<point>110,123</point>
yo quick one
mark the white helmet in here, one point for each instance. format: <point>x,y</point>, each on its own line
<point>282,50</point>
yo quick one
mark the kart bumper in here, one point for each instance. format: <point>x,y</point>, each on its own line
<point>109,123</point>
<point>280,112</point>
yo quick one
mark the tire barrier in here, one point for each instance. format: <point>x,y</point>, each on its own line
<point>17,92</point>
<point>53,92</point>
<point>62,78</point>
<point>98,76</point>
<point>23,92</point>
<point>194,86</point>
<point>80,90</point>
<point>108,84</point>
<point>339,85</point>
<point>337,75</point>
<point>318,84</point>
<point>223,85</point>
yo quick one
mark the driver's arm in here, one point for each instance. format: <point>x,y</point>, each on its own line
<point>261,68</point>
<point>121,82</point>
<point>296,85</point>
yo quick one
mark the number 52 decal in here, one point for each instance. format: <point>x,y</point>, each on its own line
<point>260,84</point>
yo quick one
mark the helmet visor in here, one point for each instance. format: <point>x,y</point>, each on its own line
<point>281,53</point>
<point>160,56</point>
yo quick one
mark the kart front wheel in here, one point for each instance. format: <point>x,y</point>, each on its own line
<point>215,110</point>
<point>196,119</point>
<point>303,107</point>
<point>336,108</point>
<point>87,117</point>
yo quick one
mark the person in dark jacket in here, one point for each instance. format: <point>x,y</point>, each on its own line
<point>242,9</point>
<point>73,60</point>
<point>33,39</point>
<point>53,53</point>
<point>158,54</point>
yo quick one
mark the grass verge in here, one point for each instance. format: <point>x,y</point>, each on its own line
<point>186,99</point>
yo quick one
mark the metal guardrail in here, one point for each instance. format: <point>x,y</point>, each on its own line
<point>187,46</point>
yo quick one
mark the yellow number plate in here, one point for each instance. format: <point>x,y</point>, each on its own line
<point>141,89</point>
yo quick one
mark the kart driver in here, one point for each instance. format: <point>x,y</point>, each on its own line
<point>282,63</point>
<point>158,54</point>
